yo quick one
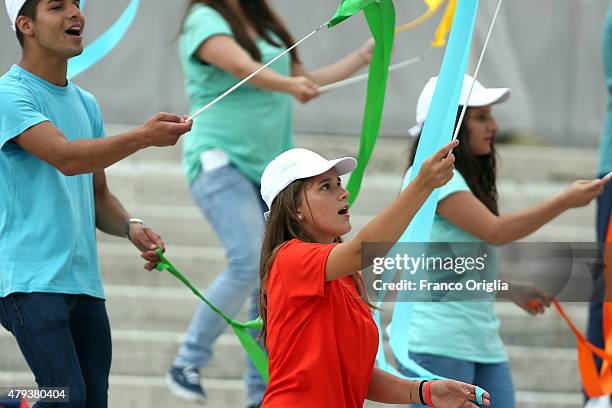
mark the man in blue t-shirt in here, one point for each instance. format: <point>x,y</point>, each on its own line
<point>53,195</point>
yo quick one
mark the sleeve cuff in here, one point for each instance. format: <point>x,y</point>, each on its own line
<point>19,129</point>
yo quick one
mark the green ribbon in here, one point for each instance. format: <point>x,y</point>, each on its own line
<point>380,16</point>
<point>251,347</point>
<point>347,9</point>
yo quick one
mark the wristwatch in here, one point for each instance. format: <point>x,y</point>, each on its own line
<point>127,226</point>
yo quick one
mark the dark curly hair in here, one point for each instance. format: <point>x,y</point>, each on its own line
<point>479,171</point>
<point>263,19</point>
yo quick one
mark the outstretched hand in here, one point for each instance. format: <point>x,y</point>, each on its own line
<point>529,298</point>
<point>165,129</point>
<point>438,169</point>
<point>147,241</point>
<point>366,51</point>
<point>303,88</point>
<point>581,192</point>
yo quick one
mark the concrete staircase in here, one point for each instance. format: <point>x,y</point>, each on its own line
<point>150,311</point>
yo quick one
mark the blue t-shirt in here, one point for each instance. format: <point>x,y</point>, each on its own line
<point>462,329</point>
<point>47,219</point>
<point>605,148</point>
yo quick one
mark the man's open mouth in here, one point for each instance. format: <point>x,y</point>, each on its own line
<point>74,31</point>
<point>343,210</point>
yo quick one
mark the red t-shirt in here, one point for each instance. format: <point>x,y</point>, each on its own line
<point>322,339</point>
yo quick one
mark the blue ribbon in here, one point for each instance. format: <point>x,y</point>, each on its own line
<point>104,44</point>
<point>438,131</point>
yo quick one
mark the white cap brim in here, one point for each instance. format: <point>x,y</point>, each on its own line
<point>489,96</point>
<point>479,96</point>
<point>343,165</point>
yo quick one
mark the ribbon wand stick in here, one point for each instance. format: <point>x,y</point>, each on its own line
<point>484,48</point>
<point>363,77</point>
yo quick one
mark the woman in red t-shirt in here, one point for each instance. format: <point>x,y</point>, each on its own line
<point>318,326</point>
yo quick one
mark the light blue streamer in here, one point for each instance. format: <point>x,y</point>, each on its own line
<point>104,44</point>
<point>437,132</point>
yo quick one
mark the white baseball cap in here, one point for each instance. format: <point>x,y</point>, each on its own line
<point>297,164</point>
<point>12,9</point>
<point>480,96</point>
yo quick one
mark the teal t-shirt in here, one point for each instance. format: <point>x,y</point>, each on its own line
<point>47,219</point>
<point>463,330</point>
<point>605,148</point>
<point>251,125</point>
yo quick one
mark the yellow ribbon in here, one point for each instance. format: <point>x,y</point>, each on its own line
<point>443,28</point>
<point>432,7</point>
<point>445,25</point>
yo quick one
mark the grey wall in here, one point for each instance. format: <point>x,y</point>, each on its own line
<point>547,51</point>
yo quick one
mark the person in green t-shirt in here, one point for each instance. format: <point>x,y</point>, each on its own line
<point>221,42</point>
<point>460,340</point>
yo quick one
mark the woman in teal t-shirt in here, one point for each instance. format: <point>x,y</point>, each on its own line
<point>460,340</point>
<point>222,41</point>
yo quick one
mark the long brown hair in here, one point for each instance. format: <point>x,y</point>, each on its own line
<point>282,226</point>
<point>479,171</point>
<point>261,17</point>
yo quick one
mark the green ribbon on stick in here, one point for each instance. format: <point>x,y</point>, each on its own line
<point>346,9</point>
<point>380,16</point>
<point>251,347</point>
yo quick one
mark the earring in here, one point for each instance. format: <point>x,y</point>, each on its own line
<point>300,217</point>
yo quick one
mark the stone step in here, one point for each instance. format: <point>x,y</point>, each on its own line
<point>127,281</point>
<point>150,353</point>
<point>182,225</point>
<point>171,308</point>
<point>153,183</point>
<point>150,392</point>
<point>516,162</point>
<point>121,265</point>
<point>120,262</point>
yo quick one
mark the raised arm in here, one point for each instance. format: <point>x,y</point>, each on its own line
<point>465,211</point>
<point>225,53</point>
<point>388,226</point>
<point>341,69</point>
<point>47,143</point>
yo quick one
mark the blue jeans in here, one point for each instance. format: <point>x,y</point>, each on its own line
<point>595,323</point>
<point>233,205</point>
<point>65,340</point>
<point>494,378</point>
